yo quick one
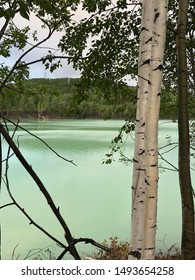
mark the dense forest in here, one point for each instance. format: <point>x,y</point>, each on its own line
<point>66,98</point>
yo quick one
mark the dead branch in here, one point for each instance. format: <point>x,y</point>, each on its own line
<point>38,138</point>
<point>86,241</point>
<point>92,242</point>
<point>14,202</point>
<point>173,167</point>
<point>70,240</point>
<point>6,205</point>
<point>44,191</point>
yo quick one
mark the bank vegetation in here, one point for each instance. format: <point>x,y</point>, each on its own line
<point>66,98</point>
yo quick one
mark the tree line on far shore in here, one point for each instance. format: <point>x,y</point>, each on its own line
<point>66,98</point>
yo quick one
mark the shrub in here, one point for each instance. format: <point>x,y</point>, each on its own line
<point>119,250</point>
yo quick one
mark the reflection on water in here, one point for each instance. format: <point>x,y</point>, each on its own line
<point>94,199</point>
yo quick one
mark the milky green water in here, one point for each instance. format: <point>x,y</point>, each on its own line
<point>94,198</point>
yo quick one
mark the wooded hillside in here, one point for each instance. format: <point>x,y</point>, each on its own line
<point>66,98</point>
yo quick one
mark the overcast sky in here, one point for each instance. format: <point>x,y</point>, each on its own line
<point>38,70</point>
<point>67,70</point>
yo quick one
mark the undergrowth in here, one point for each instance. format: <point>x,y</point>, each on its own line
<point>119,251</point>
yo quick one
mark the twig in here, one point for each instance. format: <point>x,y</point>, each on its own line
<point>53,57</point>
<point>32,134</point>
<point>86,241</point>
<point>27,216</point>
<point>6,205</point>
<point>6,181</point>
<point>32,222</point>
<point>14,251</point>
<point>62,254</point>
<point>30,253</point>
<point>23,55</point>
<point>168,145</point>
<point>92,242</point>
<point>44,191</point>
<point>70,240</point>
<point>169,163</point>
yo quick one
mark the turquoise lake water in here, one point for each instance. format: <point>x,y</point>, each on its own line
<point>94,198</point>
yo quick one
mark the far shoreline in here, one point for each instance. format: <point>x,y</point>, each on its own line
<point>44,116</point>
<point>17,115</point>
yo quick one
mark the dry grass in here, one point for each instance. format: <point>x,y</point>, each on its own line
<point>119,251</point>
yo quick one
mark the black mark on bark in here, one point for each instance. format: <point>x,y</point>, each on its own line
<point>149,40</point>
<point>159,67</point>
<point>144,29</point>
<point>147,182</point>
<point>156,16</point>
<point>135,254</point>
<point>142,152</point>
<point>147,61</point>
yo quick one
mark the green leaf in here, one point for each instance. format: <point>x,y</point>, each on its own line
<point>24,10</point>
<point>9,13</point>
<point>2,13</point>
<point>24,14</point>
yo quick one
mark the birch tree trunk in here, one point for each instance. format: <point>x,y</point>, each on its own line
<point>151,130</point>
<point>139,185</point>
<point>145,170</point>
<point>188,231</point>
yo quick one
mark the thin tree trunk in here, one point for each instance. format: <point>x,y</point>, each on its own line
<point>151,131</point>
<point>188,231</point>
<point>145,170</point>
<point>139,184</point>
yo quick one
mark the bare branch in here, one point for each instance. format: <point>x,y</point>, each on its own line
<point>6,181</point>
<point>93,242</point>
<point>62,254</point>
<point>174,144</point>
<point>13,253</point>
<point>34,252</point>
<point>8,204</point>
<point>32,134</point>
<point>169,163</point>
<point>44,191</point>
<point>53,57</point>
<point>86,241</point>
<point>23,55</point>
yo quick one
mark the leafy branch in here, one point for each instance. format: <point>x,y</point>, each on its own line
<point>3,83</point>
<point>117,143</point>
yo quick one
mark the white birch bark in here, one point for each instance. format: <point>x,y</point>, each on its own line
<point>139,184</point>
<point>145,169</point>
<point>151,128</point>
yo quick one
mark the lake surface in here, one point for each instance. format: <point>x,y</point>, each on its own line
<point>94,198</point>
